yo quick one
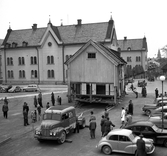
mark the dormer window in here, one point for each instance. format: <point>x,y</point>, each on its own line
<point>24,44</point>
<point>91,55</point>
<point>7,45</point>
<point>14,45</point>
<point>129,48</point>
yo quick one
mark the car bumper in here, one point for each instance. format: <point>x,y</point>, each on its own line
<point>46,137</point>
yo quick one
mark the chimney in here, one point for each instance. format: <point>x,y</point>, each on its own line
<point>34,27</point>
<point>79,22</point>
<point>125,38</point>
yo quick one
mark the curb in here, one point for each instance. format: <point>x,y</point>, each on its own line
<point>5,141</point>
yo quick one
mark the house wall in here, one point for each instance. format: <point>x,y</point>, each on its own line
<point>99,70</point>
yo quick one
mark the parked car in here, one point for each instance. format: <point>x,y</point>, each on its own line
<point>148,108</point>
<point>141,83</point>
<point>158,111</point>
<point>15,89</point>
<point>58,121</point>
<point>31,88</point>
<point>4,89</point>
<point>122,141</point>
<point>149,130</point>
<point>81,120</point>
<point>157,120</point>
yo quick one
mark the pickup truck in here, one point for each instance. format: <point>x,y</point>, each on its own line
<point>147,108</point>
<point>58,121</point>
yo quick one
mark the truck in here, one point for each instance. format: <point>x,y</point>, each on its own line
<point>57,122</point>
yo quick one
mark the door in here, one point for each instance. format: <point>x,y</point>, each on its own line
<point>113,140</point>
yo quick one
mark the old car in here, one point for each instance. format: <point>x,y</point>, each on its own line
<point>141,83</point>
<point>81,120</point>
<point>122,141</point>
<point>157,120</point>
<point>58,121</point>
<point>31,88</point>
<point>148,108</point>
<point>149,130</point>
<point>158,111</point>
<point>15,89</point>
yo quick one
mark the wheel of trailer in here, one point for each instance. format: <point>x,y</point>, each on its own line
<point>62,138</point>
<point>165,143</point>
<point>106,149</point>
<point>148,112</point>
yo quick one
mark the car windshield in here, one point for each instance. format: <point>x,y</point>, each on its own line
<point>132,136</point>
<point>52,116</point>
<point>155,128</point>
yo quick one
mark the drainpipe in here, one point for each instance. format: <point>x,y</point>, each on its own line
<point>38,65</point>
<point>63,62</point>
<point>5,65</point>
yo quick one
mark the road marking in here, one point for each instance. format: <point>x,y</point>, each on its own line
<point>15,114</point>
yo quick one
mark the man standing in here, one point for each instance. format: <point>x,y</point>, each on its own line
<point>53,98</point>
<point>40,99</point>
<point>156,93</point>
<point>25,113</point>
<point>92,117</point>
<point>60,100</point>
<point>5,110</point>
<point>123,117</point>
<point>107,126</point>
<point>92,128</point>
<point>141,151</point>
<point>130,107</point>
<point>102,125</point>
<point>39,111</point>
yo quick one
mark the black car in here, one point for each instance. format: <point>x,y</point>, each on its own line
<point>149,130</point>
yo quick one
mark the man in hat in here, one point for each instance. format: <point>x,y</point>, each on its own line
<point>141,150</point>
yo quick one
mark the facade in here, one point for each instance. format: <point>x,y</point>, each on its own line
<point>95,74</point>
<point>134,52</point>
<point>1,41</point>
<point>37,55</point>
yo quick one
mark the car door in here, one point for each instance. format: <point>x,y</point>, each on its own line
<point>65,121</point>
<point>125,144</point>
<point>72,119</point>
<point>113,141</point>
<point>148,132</point>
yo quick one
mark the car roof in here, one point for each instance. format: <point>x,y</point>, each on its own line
<point>59,109</point>
<point>141,123</point>
<point>125,132</point>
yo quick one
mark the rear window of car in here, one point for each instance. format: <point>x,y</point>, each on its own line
<point>113,137</point>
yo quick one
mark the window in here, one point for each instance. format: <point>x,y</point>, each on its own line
<point>113,137</point>
<point>21,60</point>
<point>129,59</point>
<point>33,73</point>
<point>50,60</point>
<point>91,55</point>
<point>10,74</point>
<point>33,60</point>
<point>137,58</point>
<point>129,66</point>
<point>21,74</point>
<point>50,73</point>
<point>9,61</point>
<point>123,138</point>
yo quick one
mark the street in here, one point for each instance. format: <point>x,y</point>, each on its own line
<point>22,142</point>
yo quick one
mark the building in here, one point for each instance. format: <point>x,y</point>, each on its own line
<point>1,41</point>
<point>95,74</point>
<point>134,52</point>
<point>37,55</point>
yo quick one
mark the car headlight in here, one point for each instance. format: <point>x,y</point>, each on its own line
<point>37,132</point>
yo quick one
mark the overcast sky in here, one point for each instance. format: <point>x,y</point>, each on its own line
<point>133,18</point>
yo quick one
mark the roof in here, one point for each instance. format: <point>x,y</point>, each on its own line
<point>110,53</point>
<point>126,132</point>
<point>133,44</point>
<point>59,109</point>
<point>69,34</point>
<point>143,123</point>
<point>1,41</point>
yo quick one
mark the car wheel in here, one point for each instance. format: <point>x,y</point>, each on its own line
<point>62,137</point>
<point>165,143</point>
<point>148,112</point>
<point>106,149</point>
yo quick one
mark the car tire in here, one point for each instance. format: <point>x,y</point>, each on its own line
<point>62,138</point>
<point>148,112</point>
<point>106,150</point>
<point>165,143</point>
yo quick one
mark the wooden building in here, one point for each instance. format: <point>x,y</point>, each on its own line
<point>95,74</point>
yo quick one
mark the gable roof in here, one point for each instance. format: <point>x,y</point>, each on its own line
<point>111,54</point>
<point>70,34</point>
<point>133,44</point>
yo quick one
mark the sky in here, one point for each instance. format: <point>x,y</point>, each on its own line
<point>133,18</point>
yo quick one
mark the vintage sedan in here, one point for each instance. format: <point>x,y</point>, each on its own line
<point>15,89</point>
<point>31,88</point>
<point>157,120</point>
<point>149,130</point>
<point>158,111</point>
<point>122,141</point>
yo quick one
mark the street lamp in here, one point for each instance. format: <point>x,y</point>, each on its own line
<point>162,78</point>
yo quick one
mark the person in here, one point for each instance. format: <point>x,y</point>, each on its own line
<point>25,113</point>
<point>92,128</point>
<point>106,113</point>
<point>47,105</point>
<point>34,116</point>
<point>130,107</point>
<point>128,119</point>
<point>123,117</point>
<point>53,98</point>
<point>35,101</point>
<point>107,126</point>
<point>5,110</point>
<point>102,125</point>
<point>77,126</point>
<point>144,91</point>
<point>132,87</point>
<point>60,100</point>
<point>156,93</point>
<point>141,149</point>
<point>6,101</point>
<point>92,117</point>
<point>39,111</point>
<point>40,99</point>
